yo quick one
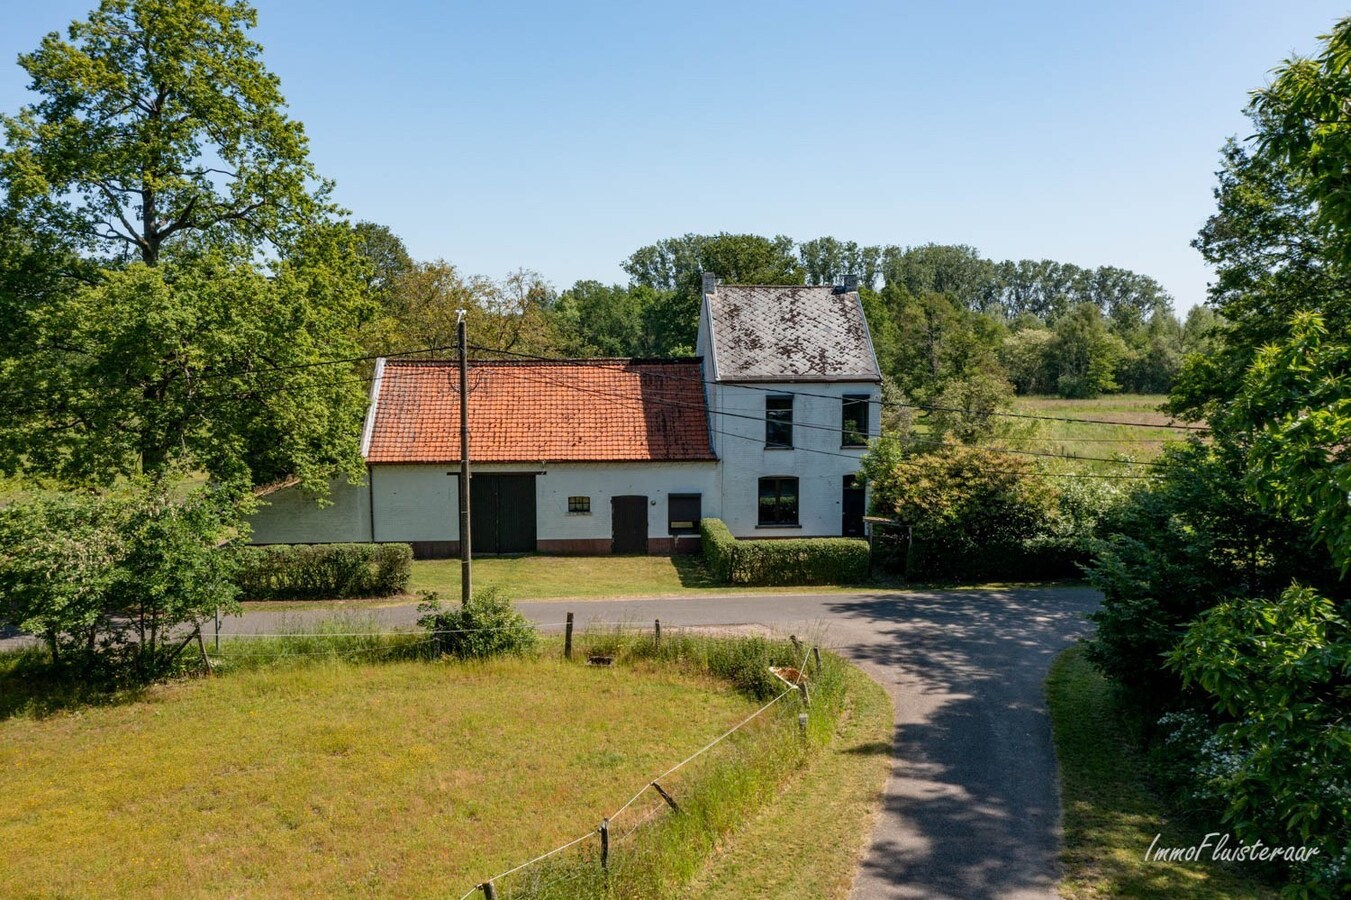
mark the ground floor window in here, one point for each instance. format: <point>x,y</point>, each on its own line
<point>684,512</point>
<point>778,501</point>
<point>579,504</point>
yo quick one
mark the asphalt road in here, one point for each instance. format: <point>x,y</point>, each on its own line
<point>971,808</point>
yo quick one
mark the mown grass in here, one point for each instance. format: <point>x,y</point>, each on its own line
<point>1110,815</point>
<point>1088,440</point>
<point>347,765</point>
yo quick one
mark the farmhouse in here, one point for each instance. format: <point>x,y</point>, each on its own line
<point>763,429</point>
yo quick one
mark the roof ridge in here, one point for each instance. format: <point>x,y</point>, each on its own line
<point>579,361</point>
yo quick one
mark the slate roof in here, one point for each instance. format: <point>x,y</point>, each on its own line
<point>773,333</point>
<point>612,410</point>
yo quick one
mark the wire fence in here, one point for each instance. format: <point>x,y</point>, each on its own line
<point>428,637</point>
<point>487,887</point>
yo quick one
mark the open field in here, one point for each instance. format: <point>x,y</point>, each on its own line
<point>416,778</point>
<point>1078,439</point>
<point>399,779</point>
<point>1110,815</point>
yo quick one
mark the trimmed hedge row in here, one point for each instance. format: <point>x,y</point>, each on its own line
<point>324,571</point>
<point>779,562</point>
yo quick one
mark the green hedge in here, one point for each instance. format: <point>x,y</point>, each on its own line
<point>776,562</point>
<point>324,571</point>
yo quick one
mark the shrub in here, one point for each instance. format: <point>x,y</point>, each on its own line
<point>487,625</point>
<point>718,544</point>
<point>109,581</point>
<point>791,561</point>
<point>324,571</point>
<point>973,513</point>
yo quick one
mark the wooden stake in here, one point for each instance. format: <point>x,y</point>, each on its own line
<point>489,892</point>
<point>201,645</point>
<point>665,796</point>
<point>816,655</point>
<point>567,639</point>
<point>605,844</point>
<point>659,631</point>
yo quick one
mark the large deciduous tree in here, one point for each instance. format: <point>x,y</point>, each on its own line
<point>157,117</point>
<point>180,278</point>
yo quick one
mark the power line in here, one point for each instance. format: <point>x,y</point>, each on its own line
<point>884,403</point>
<point>544,380</point>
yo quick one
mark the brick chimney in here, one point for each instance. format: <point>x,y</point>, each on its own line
<point>710,282</point>
<point>850,283</point>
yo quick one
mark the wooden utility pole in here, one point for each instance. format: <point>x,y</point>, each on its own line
<point>466,556</point>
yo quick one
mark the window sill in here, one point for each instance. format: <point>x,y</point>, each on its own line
<point>853,446</point>
<point>767,447</point>
<point>778,526</point>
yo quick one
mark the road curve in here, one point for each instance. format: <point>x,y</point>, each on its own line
<point>971,809</point>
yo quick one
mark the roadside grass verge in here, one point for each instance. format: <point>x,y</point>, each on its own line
<point>347,764</point>
<point>554,578</point>
<point>809,841</point>
<point>1110,814</point>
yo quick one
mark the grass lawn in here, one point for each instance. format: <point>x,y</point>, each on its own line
<point>1110,815</point>
<point>586,578</point>
<point>419,778</point>
<point>1075,439</point>
<point>396,779</point>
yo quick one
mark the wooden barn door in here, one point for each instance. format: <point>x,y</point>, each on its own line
<point>502,513</point>
<point>628,516</point>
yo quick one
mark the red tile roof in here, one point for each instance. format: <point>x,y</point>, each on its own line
<point>527,411</point>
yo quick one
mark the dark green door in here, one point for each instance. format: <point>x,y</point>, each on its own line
<point>628,516</point>
<point>502,513</point>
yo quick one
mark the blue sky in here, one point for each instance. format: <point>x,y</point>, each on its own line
<point>560,137</point>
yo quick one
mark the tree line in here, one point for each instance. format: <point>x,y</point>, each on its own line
<point>945,320</point>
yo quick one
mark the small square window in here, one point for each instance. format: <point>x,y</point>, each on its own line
<point>579,504</point>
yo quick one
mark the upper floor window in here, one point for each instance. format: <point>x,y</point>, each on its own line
<point>779,421</point>
<point>778,501</point>
<point>855,420</point>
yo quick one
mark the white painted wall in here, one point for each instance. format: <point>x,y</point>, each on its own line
<point>292,517</point>
<point>421,503</point>
<point>817,459</point>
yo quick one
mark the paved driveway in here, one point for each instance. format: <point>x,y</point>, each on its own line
<point>971,808</point>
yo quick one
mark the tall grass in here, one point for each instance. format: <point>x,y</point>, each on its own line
<point>654,850</point>
<point>339,638</point>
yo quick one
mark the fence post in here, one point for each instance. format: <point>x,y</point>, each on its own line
<point>605,844</point>
<point>816,655</point>
<point>567,639</point>
<point>218,631</point>
<point>489,892</point>
<point>667,797</point>
<point>659,632</point>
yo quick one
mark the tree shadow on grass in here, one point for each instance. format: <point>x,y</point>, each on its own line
<point>30,686</point>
